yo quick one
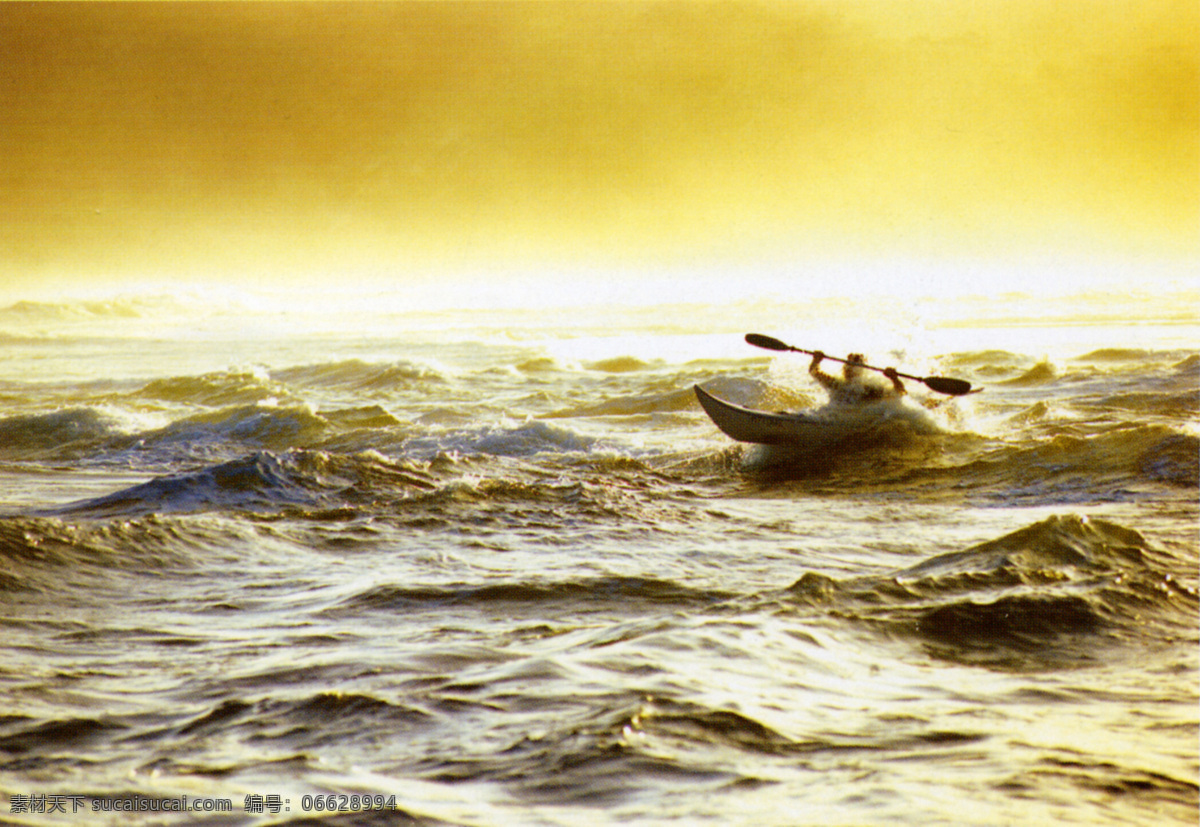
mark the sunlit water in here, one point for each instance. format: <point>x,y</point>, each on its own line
<point>499,568</point>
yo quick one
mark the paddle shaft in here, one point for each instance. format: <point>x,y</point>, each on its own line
<point>941,384</point>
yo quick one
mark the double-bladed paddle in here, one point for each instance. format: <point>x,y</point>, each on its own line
<point>941,384</point>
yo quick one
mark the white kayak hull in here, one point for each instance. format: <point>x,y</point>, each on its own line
<point>760,427</point>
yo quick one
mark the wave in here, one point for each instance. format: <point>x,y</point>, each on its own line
<point>529,438</point>
<point>1060,590</point>
<point>1189,365</point>
<point>672,401</point>
<point>70,734</point>
<point>1179,405</point>
<point>59,311</point>
<point>45,553</point>
<point>213,389</point>
<point>121,308</point>
<point>1018,621</point>
<point>106,434</point>
<point>526,439</point>
<point>1050,583</point>
<point>257,420</point>
<point>305,722</point>
<point>1175,458</point>
<point>261,482</point>
<point>1054,461</point>
<point>57,429</point>
<point>604,757</point>
<point>1039,374</point>
<point>619,364</point>
<point>354,374</point>
<point>366,416</point>
<point>40,339</point>
<point>1080,543</point>
<point>1115,354</point>
<point>1062,466</point>
<point>759,394</point>
<point>626,592</point>
<point>265,425</point>
<point>986,358</point>
<point>246,387</point>
<point>494,512</point>
<point>672,394</point>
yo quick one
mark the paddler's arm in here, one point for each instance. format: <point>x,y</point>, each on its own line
<point>827,381</point>
<point>890,373</point>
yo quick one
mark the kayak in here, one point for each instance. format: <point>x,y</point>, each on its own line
<point>830,426</point>
<point>747,425</point>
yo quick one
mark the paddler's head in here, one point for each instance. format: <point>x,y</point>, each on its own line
<point>853,366</point>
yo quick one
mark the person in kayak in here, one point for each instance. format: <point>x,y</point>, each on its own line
<point>852,388</point>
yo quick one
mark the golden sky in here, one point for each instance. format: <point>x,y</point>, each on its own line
<point>230,139</point>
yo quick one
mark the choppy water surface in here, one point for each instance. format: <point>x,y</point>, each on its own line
<point>502,568</point>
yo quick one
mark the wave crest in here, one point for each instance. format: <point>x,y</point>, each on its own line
<point>261,482</point>
<point>355,374</point>
<point>1054,592</point>
<point>57,429</point>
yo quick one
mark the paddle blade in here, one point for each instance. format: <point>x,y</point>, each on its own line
<point>768,342</point>
<point>946,385</point>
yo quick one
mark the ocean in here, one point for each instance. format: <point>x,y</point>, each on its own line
<point>377,564</point>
